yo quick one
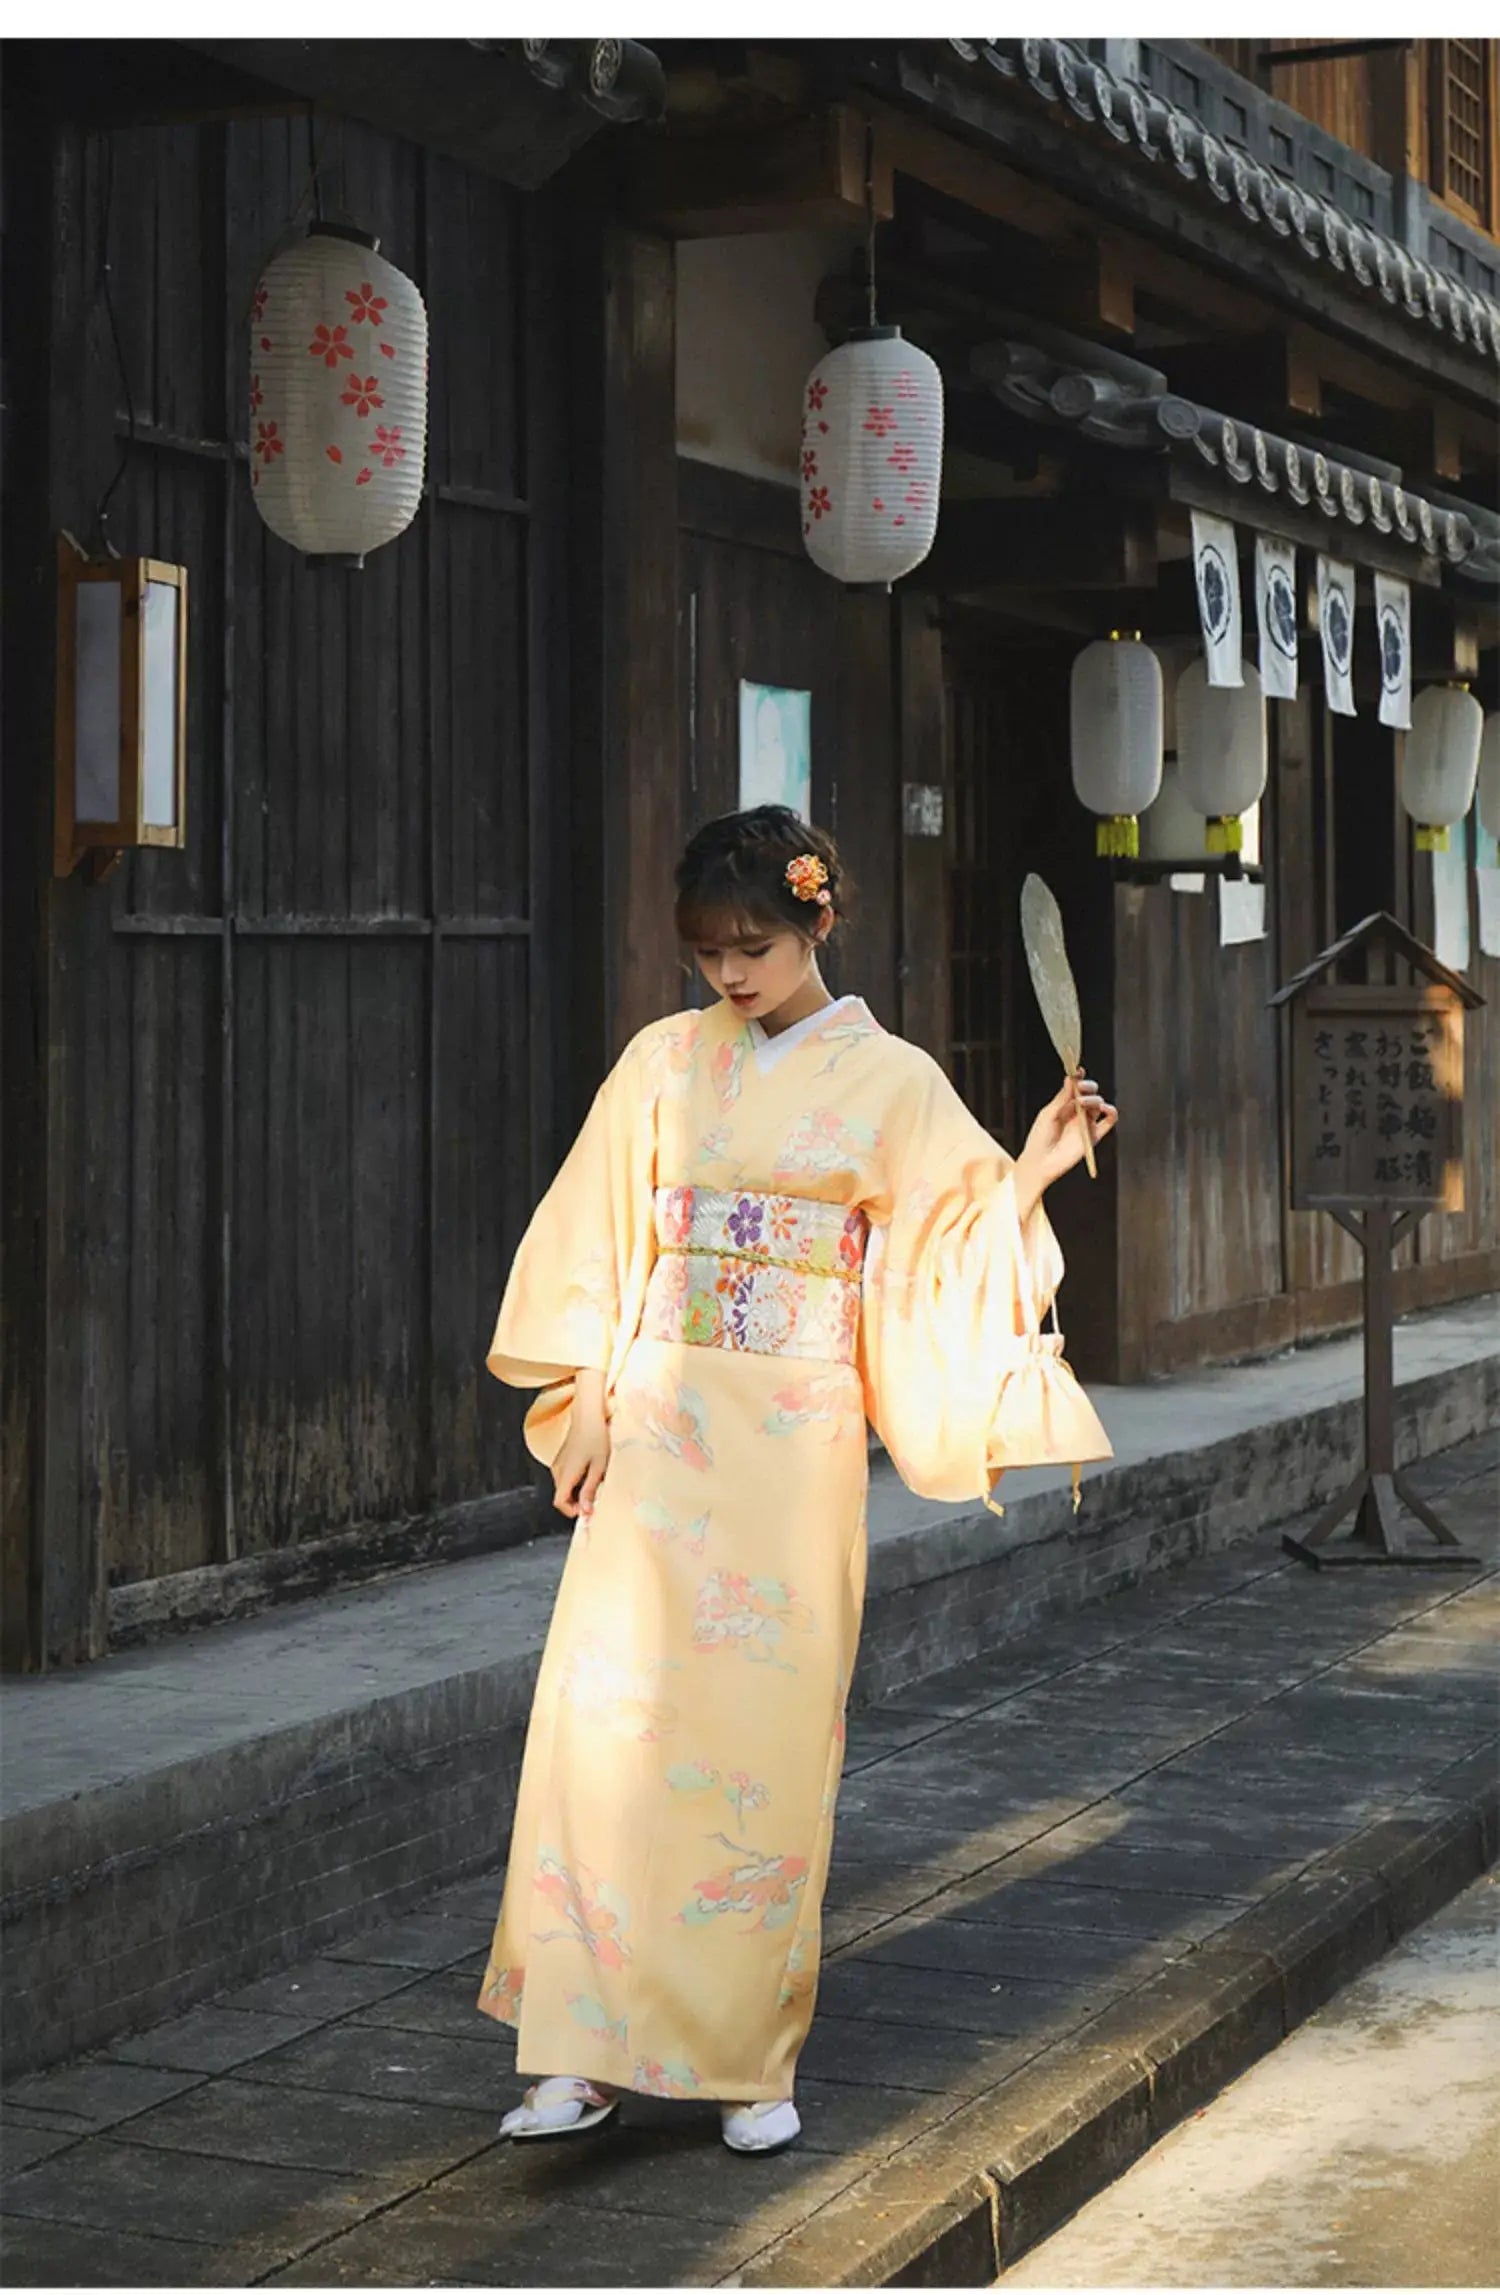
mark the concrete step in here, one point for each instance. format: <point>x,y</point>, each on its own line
<point>187,1816</point>
<point>1079,1882</point>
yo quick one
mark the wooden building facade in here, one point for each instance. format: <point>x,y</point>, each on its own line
<point>277,1106</point>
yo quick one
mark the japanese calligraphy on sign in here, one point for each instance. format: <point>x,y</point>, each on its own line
<point>1377,1077</point>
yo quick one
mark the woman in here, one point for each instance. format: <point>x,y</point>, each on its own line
<point>777,1220</point>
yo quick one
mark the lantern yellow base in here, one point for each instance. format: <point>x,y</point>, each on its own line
<point>1225,833</point>
<point>1118,837</point>
<point>1431,840</point>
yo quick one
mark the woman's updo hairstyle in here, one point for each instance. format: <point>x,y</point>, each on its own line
<point>731,880</point>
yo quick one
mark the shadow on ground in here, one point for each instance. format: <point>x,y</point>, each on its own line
<point>1021,1844</point>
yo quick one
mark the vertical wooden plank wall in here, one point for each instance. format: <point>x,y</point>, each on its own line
<point>77,1010</point>
<point>1384,105</point>
<point>26,634</point>
<point>296,1075</point>
<point>642,796</point>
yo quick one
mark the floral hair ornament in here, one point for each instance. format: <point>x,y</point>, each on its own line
<point>808,879</point>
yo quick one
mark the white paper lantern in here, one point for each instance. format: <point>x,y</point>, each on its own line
<point>872,458</point>
<point>1489,775</point>
<point>1440,762</point>
<point>1170,828</point>
<point>1117,736</point>
<point>338,396</point>
<point>1221,750</point>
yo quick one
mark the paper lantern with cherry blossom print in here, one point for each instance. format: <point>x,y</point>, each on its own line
<point>338,396</point>
<point>1440,762</point>
<point>872,458</point>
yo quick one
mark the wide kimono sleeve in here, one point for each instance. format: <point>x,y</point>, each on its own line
<point>960,1379</point>
<point>577,1284</point>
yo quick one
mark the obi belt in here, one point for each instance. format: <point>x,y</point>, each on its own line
<point>762,1274</point>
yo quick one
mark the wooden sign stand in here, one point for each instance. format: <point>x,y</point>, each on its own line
<point>1377,1140</point>
<point>1373,1493</point>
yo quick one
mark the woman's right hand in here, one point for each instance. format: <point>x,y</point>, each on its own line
<point>580,1465</point>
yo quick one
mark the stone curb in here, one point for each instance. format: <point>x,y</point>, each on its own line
<point>252,1854</point>
<point>969,2198</point>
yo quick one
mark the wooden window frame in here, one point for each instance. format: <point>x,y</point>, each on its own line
<point>1485,216</point>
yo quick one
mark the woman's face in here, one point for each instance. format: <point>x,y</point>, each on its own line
<point>759,971</point>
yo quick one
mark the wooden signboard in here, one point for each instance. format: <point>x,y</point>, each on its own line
<point>1377,1076</point>
<point>1377,1097</point>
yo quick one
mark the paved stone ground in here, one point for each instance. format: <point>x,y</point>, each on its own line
<point>1020,1844</point>
<point>1361,2153</point>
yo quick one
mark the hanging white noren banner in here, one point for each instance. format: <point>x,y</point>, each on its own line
<point>1216,570</point>
<point>1276,611</point>
<point>1393,627</point>
<point>1336,622</point>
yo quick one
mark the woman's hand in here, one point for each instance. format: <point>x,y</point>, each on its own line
<point>579,1466</point>
<point>1055,1142</point>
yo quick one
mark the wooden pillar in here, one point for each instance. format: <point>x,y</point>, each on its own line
<point>640,750</point>
<point>25,843</point>
<point>926,933</point>
<point>57,929</point>
<point>864,809</point>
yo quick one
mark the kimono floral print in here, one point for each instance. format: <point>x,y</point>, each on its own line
<point>756,1262</point>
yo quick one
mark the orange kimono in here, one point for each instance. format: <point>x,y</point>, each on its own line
<point>760,1243</point>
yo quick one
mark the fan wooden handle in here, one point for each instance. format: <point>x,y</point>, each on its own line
<point>1088,1138</point>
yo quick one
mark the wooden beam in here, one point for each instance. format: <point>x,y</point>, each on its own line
<point>728,507</point>
<point>713,186</point>
<point>1265,375</point>
<point>1261,362</point>
<point>1444,638</point>
<point>1055,542</point>
<point>1294,372</point>
<point>1345,368</point>
<point>983,181</point>
<point>1073,614</point>
<point>1395,86</point>
<point>1089,289</point>
<point>140,83</point>
<point>1058,185</point>
<point>975,423</point>
<point>1200,489</point>
<point>974,178</point>
<point>484,109</point>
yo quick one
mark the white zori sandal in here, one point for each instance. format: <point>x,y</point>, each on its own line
<point>559,2106</point>
<point>765,2127</point>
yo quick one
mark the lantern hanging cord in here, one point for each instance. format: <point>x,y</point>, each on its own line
<point>309,201</point>
<point>870,222</point>
<point>127,447</point>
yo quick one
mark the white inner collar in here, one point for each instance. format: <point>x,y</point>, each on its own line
<point>769,1049</point>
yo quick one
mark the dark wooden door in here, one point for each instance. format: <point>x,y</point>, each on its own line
<point>989,800</point>
<point>302,1094</point>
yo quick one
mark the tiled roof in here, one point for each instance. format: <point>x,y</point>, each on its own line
<point>1162,135</point>
<point>1118,412</point>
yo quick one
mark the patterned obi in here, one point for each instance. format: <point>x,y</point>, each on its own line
<point>764,1274</point>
